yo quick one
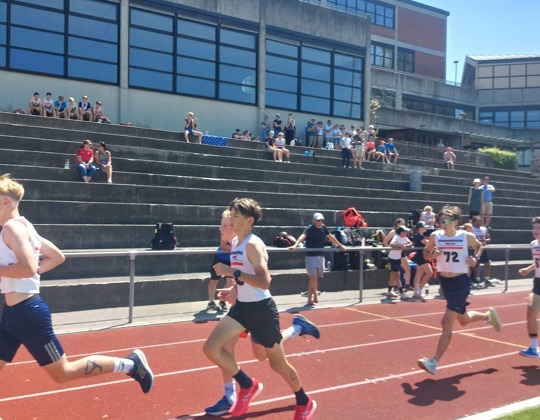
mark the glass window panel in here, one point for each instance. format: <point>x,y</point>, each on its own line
<point>358,64</point>
<point>517,116</point>
<point>238,39</point>
<point>151,20</point>
<point>237,75</point>
<point>196,30</point>
<point>3,11</point>
<point>533,124</point>
<point>533,81</point>
<point>379,20</point>
<point>361,5</point>
<point>341,60</point>
<point>88,69</point>
<point>238,57</point>
<point>237,93</point>
<point>196,67</point>
<point>282,100</point>
<point>344,93</point>
<point>533,115</point>
<point>517,124</point>
<point>501,116</point>
<point>315,88</point>
<point>93,29</point>
<point>194,86</point>
<point>150,79</point>
<point>389,63</point>
<point>370,7</point>
<point>93,49</point>
<point>150,60</point>
<point>100,9</point>
<point>389,12</point>
<point>316,105</point>
<point>150,40</point>
<point>485,71</point>
<point>501,83</point>
<point>36,61</point>
<point>53,4</point>
<point>518,69</point>
<point>517,82</point>
<point>314,71</point>
<point>281,82</point>
<point>347,78</point>
<point>37,40</point>
<point>192,48</point>
<point>26,16</point>
<point>501,71</point>
<point>389,22</point>
<point>316,55</point>
<point>2,57</point>
<point>281,48</point>
<point>485,83</point>
<point>347,109</point>
<point>282,65</point>
<point>533,68</point>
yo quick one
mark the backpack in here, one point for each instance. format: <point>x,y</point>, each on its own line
<point>354,237</point>
<point>296,142</point>
<point>284,240</point>
<point>353,218</point>
<point>340,236</point>
<point>414,218</point>
<point>164,237</point>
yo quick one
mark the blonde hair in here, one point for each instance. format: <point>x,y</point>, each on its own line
<point>428,208</point>
<point>226,214</point>
<point>11,188</point>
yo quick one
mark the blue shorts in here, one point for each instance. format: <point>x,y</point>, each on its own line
<point>536,286</point>
<point>456,291</point>
<point>29,323</point>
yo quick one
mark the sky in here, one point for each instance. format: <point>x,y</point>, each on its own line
<point>481,27</point>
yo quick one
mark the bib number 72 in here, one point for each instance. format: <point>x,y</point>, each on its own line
<point>451,256</point>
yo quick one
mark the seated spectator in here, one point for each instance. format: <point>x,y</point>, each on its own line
<point>97,112</point>
<point>60,108</point>
<point>246,135</point>
<point>190,125</point>
<point>358,152</point>
<point>391,151</point>
<point>380,153</point>
<point>103,160</point>
<point>429,218</point>
<point>237,134</point>
<point>48,106</point>
<point>370,150</point>
<point>72,110</point>
<point>85,159</point>
<point>85,110</point>
<point>280,144</point>
<point>35,106</point>
<point>271,147</point>
<point>449,158</point>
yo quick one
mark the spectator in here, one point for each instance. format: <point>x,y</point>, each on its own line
<point>246,135</point>
<point>391,151</point>
<point>237,134</point>
<point>290,129</point>
<point>362,133</point>
<point>328,133</point>
<point>320,134</point>
<point>346,148</point>
<point>397,259</point>
<point>103,160</point>
<point>190,125</point>
<point>487,203</point>
<point>440,144</point>
<point>60,108</point>
<point>370,150</point>
<point>372,133</point>
<point>315,236</point>
<point>337,135</point>
<point>85,159</point>
<point>311,133</point>
<point>449,158</point>
<point>265,128</point>
<point>482,236</point>
<point>85,110</point>
<point>429,219</point>
<point>35,106</point>
<point>380,153</point>
<point>358,152</point>
<point>476,197</point>
<point>280,144</point>
<point>424,270</point>
<point>271,147</point>
<point>72,110</point>
<point>48,106</point>
<point>98,115</point>
<point>277,123</point>
<point>398,222</point>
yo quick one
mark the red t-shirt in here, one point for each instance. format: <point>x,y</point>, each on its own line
<point>85,154</point>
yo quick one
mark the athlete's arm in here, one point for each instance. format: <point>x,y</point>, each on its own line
<point>17,238</point>
<point>51,256</point>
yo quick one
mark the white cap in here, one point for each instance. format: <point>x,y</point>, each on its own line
<point>476,180</point>
<point>318,216</point>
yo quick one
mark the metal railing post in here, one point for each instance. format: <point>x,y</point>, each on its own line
<point>506,268</point>
<point>132,256</point>
<point>361,277</point>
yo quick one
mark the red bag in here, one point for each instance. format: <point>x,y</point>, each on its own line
<point>353,218</point>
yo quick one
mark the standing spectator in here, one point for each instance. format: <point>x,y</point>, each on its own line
<point>290,129</point>
<point>475,199</point>
<point>424,271</point>
<point>311,133</point>
<point>533,302</point>
<point>337,135</point>
<point>85,110</point>
<point>315,236</point>
<point>358,152</point>
<point>328,133</point>
<point>103,160</point>
<point>190,124</point>
<point>277,124</point>
<point>487,203</point>
<point>72,110</point>
<point>280,144</point>
<point>35,106</point>
<point>449,158</point>
<point>320,134</point>
<point>440,144</point>
<point>85,159</point>
<point>391,151</point>
<point>265,128</point>
<point>482,235</point>
<point>60,108</point>
<point>399,243</point>
<point>372,133</point>
<point>346,149</point>
<point>380,153</point>
<point>48,106</point>
<point>270,142</point>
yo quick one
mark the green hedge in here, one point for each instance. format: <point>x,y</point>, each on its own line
<point>502,158</point>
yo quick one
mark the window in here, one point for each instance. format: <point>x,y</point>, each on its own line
<point>518,119</point>
<point>382,55</point>
<point>381,14</point>
<point>405,60</point>
<point>281,75</point>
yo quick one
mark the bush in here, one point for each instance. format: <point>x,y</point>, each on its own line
<point>503,159</point>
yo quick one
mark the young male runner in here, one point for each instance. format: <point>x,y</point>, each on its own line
<point>255,311</point>
<point>26,318</point>
<point>533,304</point>
<point>449,246</point>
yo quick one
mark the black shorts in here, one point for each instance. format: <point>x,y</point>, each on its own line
<point>213,274</point>
<point>536,286</point>
<point>484,258</point>
<point>394,264</point>
<point>456,291</point>
<point>260,318</point>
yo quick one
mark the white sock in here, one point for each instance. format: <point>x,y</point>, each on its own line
<point>230,392</point>
<point>123,365</point>
<point>293,330</point>
<point>534,343</point>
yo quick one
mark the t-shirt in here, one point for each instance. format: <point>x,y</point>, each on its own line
<point>476,199</point>
<point>454,252</point>
<point>315,238</point>
<point>396,253</point>
<point>488,192</point>
<point>85,154</point>
<point>535,249</point>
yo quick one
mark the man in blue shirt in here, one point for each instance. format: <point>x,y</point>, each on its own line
<point>391,151</point>
<point>60,107</point>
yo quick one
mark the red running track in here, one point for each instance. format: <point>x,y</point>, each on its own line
<point>364,366</point>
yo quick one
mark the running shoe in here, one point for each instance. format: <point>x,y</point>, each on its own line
<point>418,298</point>
<point>305,293</point>
<point>223,306</point>
<point>223,406</point>
<point>494,319</point>
<point>392,295</point>
<point>530,352</point>
<point>308,327</point>
<point>211,306</point>
<point>141,371</point>
<point>245,395</point>
<point>404,296</point>
<point>429,365</point>
<point>305,412</point>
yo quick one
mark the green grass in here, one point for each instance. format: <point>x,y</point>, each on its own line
<point>530,414</point>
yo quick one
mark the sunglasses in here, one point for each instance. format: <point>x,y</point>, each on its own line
<point>446,220</point>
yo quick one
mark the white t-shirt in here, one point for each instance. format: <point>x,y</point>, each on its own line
<point>454,252</point>
<point>535,249</point>
<point>395,253</point>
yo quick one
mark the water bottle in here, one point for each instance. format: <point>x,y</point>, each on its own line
<point>306,153</point>
<point>426,290</point>
<point>329,265</point>
<point>67,164</point>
